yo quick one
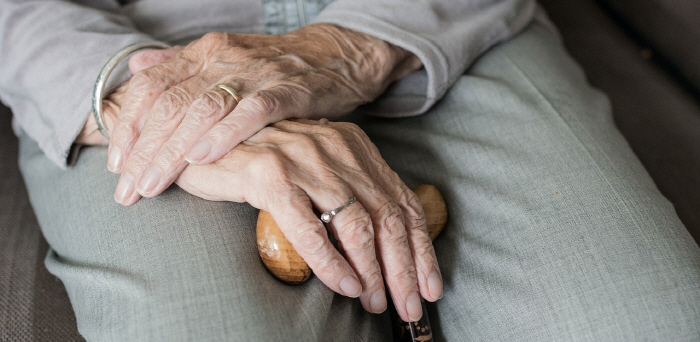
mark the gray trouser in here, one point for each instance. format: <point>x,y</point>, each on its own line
<point>556,231</point>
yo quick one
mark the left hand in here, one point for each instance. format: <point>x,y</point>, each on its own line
<point>175,114</point>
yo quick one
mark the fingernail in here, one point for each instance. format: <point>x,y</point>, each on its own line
<point>200,150</point>
<point>377,303</point>
<point>149,180</point>
<point>114,159</point>
<point>435,285</point>
<point>413,307</point>
<point>351,287</point>
<point>125,188</point>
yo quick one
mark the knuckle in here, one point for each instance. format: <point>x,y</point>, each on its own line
<point>124,132</point>
<point>143,80</point>
<point>138,159</point>
<point>425,249</point>
<point>358,234</point>
<point>393,222</point>
<point>210,104</point>
<point>302,144</point>
<point>262,104</point>
<point>271,166</point>
<point>375,276</point>
<point>172,102</point>
<point>404,275</point>
<point>148,82</point>
<point>415,216</point>
<point>312,239</point>
<point>172,153</point>
<point>330,265</point>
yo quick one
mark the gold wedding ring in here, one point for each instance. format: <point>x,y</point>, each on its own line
<point>230,90</point>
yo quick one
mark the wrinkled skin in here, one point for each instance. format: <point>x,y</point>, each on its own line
<point>291,167</point>
<point>175,114</point>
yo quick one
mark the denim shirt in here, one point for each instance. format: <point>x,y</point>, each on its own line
<point>282,16</point>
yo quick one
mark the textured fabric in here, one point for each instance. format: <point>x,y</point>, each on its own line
<point>556,231</point>
<point>659,116</point>
<point>51,51</point>
<point>33,303</point>
<point>671,27</point>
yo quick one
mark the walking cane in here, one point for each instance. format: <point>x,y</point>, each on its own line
<point>280,258</point>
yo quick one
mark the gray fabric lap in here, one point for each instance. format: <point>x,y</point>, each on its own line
<point>556,231</point>
<point>171,268</point>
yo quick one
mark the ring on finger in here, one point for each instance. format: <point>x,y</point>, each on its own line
<point>328,215</point>
<point>231,91</point>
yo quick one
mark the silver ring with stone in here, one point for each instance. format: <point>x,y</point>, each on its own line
<point>328,215</point>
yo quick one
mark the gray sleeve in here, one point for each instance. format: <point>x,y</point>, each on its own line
<point>447,35</point>
<point>50,55</point>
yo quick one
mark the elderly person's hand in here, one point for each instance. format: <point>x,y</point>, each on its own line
<point>291,167</point>
<point>174,112</point>
<point>112,104</point>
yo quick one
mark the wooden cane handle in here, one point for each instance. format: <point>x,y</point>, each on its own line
<point>287,265</point>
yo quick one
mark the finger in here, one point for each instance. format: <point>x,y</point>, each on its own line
<point>252,114</point>
<point>210,107</point>
<point>428,271</point>
<point>163,119</point>
<point>386,217</point>
<point>310,239</point>
<point>392,247</point>
<point>147,58</point>
<point>353,229</point>
<point>144,88</point>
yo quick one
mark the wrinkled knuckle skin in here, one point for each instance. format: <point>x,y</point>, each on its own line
<point>303,145</point>
<point>172,153</point>
<point>124,132</point>
<point>262,104</point>
<point>375,277</point>
<point>358,234</point>
<point>312,239</point>
<point>210,105</point>
<point>171,103</point>
<point>330,266</point>
<point>415,216</point>
<point>271,167</point>
<point>393,222</point>
<point>426,250</point>
<point>404,275</point>
<point>138,159</point>
<point>146,81</point>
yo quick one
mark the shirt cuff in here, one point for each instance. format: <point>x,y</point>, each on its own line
<point>413,94</point>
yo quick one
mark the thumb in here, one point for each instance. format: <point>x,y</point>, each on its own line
<point>146,58</point>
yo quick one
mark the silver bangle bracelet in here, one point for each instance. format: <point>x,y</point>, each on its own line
<point>101,82</point>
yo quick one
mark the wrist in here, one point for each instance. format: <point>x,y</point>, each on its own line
<point>374,62</point>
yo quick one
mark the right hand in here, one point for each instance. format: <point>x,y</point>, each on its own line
<point>292,167</point>
<point>112,104</point>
